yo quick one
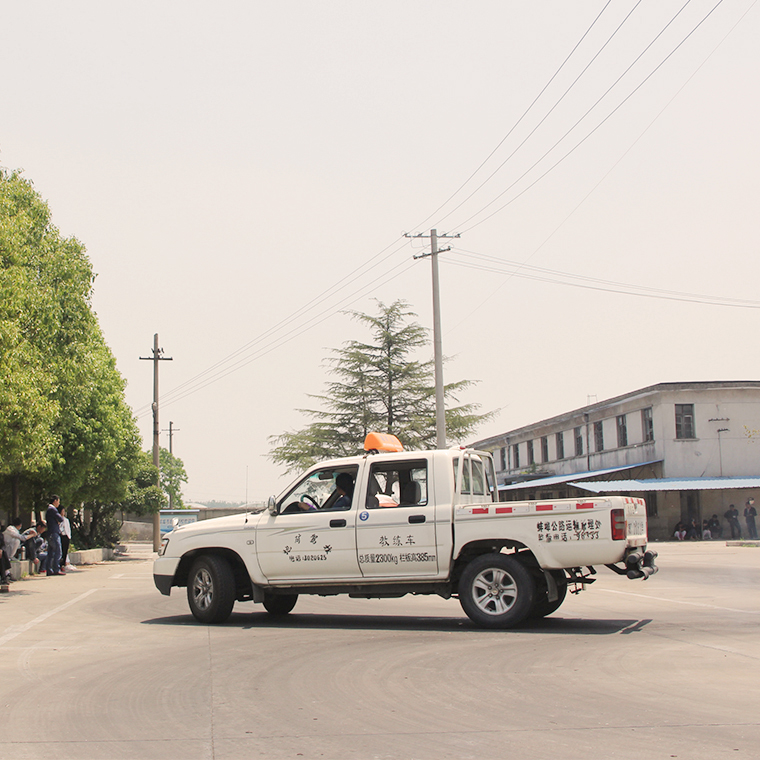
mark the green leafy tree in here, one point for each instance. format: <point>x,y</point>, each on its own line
<point>64,423</point>
<point>144,497</point>
<point>173,475</point>
<point>378,386</point>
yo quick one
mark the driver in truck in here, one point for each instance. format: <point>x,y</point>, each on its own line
<point>344,487</point>
<point>339,499</point>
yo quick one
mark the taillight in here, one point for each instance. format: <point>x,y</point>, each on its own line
<point>617,517</point>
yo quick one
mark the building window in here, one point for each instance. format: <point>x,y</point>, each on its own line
<point>516,455</point>
<point>647,424</point>
<point>578,442</point>
<point>651,500</point>
<point>599,436</point>
<point>622,431</point>
<point>685,421</point>
<point>531,454</point>
<point>504,458</point>
<point>560,442</point>
<point>544,449</point>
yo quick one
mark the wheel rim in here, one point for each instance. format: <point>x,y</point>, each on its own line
<point>203,589</point>
<point>494,591</point>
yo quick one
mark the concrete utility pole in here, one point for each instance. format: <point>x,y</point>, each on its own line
<point>156,358</point>
<point>440,408</point>
<point>172,430</point>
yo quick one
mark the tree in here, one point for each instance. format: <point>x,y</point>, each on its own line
<point>378,386</point>
<point>173,475</point>
<point>64,423</point>
<point>144,497</point>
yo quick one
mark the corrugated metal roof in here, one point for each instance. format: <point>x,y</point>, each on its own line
<point>668,484</point>
<point>557,479</point>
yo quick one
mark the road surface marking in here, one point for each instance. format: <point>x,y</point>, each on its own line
<point>680,601</point>
<point>17,630</point>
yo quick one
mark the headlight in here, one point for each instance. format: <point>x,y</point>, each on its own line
<point>164,545</point>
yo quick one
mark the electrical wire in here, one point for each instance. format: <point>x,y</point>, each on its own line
<point>176,395</point>
<point>614,166</point>
<point>546,115</point>
<point>598,126</point>
<point>515,125</point>
<point>226,365</point>
<point>495,265</point>
<point>315,302</point>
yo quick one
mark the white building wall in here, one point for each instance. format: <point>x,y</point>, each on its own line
<point>733,408</point>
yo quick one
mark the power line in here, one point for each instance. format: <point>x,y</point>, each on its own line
<point>513,127</point>
<point>198,383</point>
<point>496,265</point>
<point>602,122</point>
<point>546,115</point>
<point>612,168</point>
<point>226,365</point>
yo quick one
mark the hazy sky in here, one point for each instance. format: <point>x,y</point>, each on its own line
<point>242,172</point>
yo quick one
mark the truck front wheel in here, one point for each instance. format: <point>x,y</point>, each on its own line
<point>279,604</point>
<point>211,589</point>
<point>496,591</point>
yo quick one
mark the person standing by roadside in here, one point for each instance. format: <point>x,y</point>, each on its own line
<point>750,513</point>
<point>53,520</point>
<point>65,537</point>
<point>732,515</point>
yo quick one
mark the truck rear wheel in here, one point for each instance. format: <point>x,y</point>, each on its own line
<point>541,604</point>
<point>211,589</point>
<point>496,591</point>
<point>279,604</point>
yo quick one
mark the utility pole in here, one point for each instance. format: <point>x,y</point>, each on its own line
<point>172,430</point>
<point>440,408</point>
<point>156,358</point>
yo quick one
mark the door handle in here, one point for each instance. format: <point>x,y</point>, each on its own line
<point>337,523</point>
<point>416,519</point>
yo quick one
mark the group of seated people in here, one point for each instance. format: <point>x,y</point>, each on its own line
<point>13,538</point>
<point>692,531</point>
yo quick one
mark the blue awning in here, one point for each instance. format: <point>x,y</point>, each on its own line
<point>668,484</point>
<point>554,480</point>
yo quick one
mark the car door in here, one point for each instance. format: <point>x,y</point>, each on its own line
<point>309,540</point>
<point>396,531</point>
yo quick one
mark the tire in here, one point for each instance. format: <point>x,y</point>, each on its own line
<point>541,604</point>
<point>279,604</point>
<point>496,591</point>
<point>211,589</point>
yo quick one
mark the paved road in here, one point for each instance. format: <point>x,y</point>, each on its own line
<point>98,664</point>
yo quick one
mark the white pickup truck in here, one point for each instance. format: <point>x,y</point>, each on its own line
<point>394,522</point>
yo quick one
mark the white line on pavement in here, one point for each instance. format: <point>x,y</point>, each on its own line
<point>17,630</point>
<point>680,601</point>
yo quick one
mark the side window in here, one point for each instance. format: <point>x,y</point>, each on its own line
<point>474,477</point>
<point>321,490</point>
<point>478,477</point>
<point>397,484</point>
<point>466,480</point>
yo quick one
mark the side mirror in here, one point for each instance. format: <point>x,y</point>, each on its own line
<point>272,506</point>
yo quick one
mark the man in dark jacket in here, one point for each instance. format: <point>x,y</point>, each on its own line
<point>750,513</point>
<point>54,520</point>
<point>732,515</point>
